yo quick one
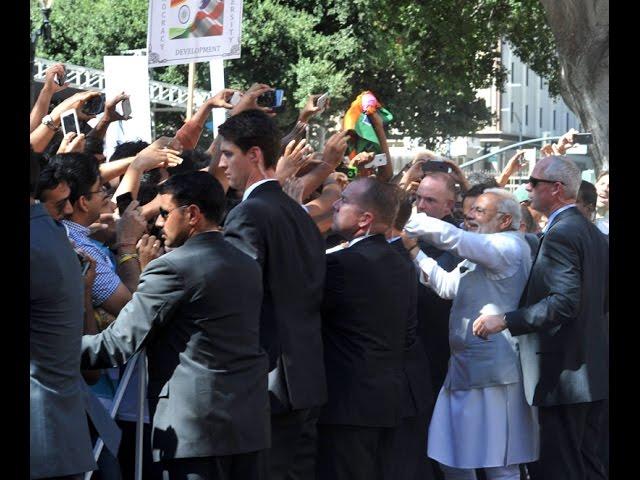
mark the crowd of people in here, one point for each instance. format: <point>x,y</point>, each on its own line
<point>303,323</point>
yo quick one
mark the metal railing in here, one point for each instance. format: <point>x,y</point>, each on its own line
<point>139,360</point>
<point>85,78</point>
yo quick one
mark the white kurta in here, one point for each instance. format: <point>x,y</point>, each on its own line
<point>492,425</point>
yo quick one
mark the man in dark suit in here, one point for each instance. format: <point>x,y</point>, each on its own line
<point>562,328</point>
<point>59,432</point>
<point>408,453</point>
<point>369,299</point>
<point>196,310</point>
<point>436,196</point>
<point>276,231</point>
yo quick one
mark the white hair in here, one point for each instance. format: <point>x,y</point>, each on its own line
<point>507,203</point>
<point>566,171</point>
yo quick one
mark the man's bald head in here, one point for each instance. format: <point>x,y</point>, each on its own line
<point>436,195</point>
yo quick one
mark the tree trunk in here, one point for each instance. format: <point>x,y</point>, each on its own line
<point>581,31</point>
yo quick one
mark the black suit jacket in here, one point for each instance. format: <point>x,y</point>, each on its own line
<point>433,314</point>
<point>369,299</point>
<point>416,364</point>
<point>196,310</point>
<point>277,232</point>
<point>562,326</point>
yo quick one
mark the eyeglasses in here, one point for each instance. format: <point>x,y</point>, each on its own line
<point>165,213</point>
<point>482,211</point>
<point>104,190</point>
<point>535,181</point>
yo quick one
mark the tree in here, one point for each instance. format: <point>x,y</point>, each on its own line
<point>581,31</point>
<point>424,60</point>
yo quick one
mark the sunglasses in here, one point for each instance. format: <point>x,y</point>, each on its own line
<point>535,181</point>
<point>165,213</point>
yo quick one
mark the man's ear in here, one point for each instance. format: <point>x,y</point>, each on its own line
<point>450,206</point>
<point>366,220</point>
<point>506,221</point>
<point>81,204</point>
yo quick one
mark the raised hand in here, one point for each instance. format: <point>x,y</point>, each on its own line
<point>72,142</point>
<point>149,248</point>
<point>221,99</point>
<point>249,100</point>
<point>334,149</point>
<point>292,159</point>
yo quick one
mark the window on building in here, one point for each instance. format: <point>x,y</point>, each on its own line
<point>540,123</point>
<point>526,76</point>
<point>513,73</point>
<point>541,83</point>
<point>554,119</point>
<point>511,120</point>
<point>567,122</point>
<point>526,115</point>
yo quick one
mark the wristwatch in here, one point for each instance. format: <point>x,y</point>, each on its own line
<point>48,121</point>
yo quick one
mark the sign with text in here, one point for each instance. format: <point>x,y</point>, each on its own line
<point>186,31</point>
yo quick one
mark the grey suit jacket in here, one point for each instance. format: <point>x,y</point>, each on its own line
<point>59,434</point>
<point>562,322</point>
<point>196,310</point>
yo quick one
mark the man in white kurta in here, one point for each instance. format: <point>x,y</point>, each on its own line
<point>481,418</point>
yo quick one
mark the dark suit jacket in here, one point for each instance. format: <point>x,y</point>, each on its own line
<point>196,310</point>
<point>561,327</point>
<point>59,433</point>
<point>276,231</point>
<point>369,300</point>
<point>433,315</point>
<point>416,364</point>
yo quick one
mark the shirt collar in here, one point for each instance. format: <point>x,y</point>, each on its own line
<point>356,240</point>
<point>248,191</point>
<point>555,214</point>
<point>75,228</point>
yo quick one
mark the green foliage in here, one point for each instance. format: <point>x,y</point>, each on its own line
<point>424,60</point>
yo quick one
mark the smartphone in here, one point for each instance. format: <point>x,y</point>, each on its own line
<point>60,80</point>
<point>272,99</point>
<point>124,107</point>
<point>94,105</point>
<point>582,138</point>
<point>69,120</point>
<point>321,102</point>
<point>435,166</point>
<point>235,99</point>
<point>378,161</point>
<point>84,265</point>
<point>123,202</point>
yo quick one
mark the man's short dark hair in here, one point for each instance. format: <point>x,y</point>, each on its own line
<point>476,190</point>
<point>128,149</point>
<point>79,170</point>
<point>405,207</point>
<point>529,222</point>
<point>192,160</point>
<point>488,180</point>
<point>587,194</point>
<point>94,145</point>
<point>149,185</point>
<point>380,198</point>
<point>197,188</point>
<point>253,128</point>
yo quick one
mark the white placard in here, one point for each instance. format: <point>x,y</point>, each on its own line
<point>216,70</point>
<point>128,74</point>
<point>186,31</point>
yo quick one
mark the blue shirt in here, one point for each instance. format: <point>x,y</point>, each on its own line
<point>107,280</point>
<point>554,215</point>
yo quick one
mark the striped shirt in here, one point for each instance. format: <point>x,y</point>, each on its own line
<point>107,280</point>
